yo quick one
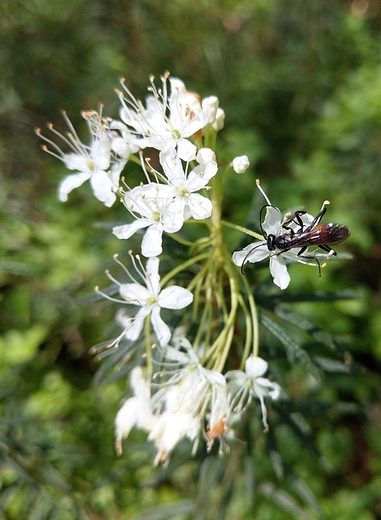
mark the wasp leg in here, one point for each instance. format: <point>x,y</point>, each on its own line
<point>318,217</point>
<point>310,257</point>
<point>328,250</point>
<point>295,220</point>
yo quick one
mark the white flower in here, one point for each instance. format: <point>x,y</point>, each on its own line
<point>182,188</point>
<point>258,251</point>
<point>151,208</point>
<point>189,395</point>
<point>165,207</point>
<point>97,162</point>
<point>167,121</point>
<point>240,164</point>
<point>136,411</point>
<point>178,420</point>
<point>244,386</point>
<point>272,227</point>
<point>150,299</point>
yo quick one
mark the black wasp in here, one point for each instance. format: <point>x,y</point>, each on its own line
<point>305,235</point>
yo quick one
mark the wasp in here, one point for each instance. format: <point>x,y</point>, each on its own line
<point>299,234</point>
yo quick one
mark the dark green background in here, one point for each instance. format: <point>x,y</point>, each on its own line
<point>300,82</point>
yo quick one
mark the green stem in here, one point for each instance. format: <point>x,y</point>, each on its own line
<point>242,229</point>
<point>182,267</point>
<point>254,316</point>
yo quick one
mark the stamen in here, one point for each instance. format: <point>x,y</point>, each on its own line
<point>107,297</point>
<point>263,193</point>
<point>325,203</point>
<point>124,268</point>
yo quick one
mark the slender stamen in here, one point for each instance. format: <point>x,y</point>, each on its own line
<point>130,276</point>
<point>107,297</point>
<point>325,203</point>
<point>263,193</point>
<point>138,266</point>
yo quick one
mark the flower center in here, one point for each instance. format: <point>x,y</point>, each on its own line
<point>91,165</point>
<point>182,192</point>
<point>175,134</point>
<point>156,216</point>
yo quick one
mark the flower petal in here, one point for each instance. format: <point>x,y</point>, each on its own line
<point>133,330</point>
<point>152,240</point>
<point>200,206</point>
<point>185,149</point>
<point>175,297</point>
<point>134,293</point>
<point>279,271</point>
<point>127,230</point>
<point>162,331</point>
<point>103,188</point>
<point>255,366</point>
<point>273,221</point>
<point>71,182</point>
<point>252,253</point>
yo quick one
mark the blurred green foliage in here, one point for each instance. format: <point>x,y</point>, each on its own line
<point>300,83</point>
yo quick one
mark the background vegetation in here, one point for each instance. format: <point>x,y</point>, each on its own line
<point>300,83</point>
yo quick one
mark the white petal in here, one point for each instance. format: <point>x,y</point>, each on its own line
<point>71,182</point>
<point>177,85</point>
<point>205,156</point>
<point>152,240</point>
<point>252,253</point>
<point>175,297</point>
<point>172,166</point>
<point>134,293</point>
<point>220,120</point>
<point>100,153</point>
<point>76,161</point>
<point>173,218</point>
<point>237,377</point>
<point>136,411</point>
<point>139,384</point>
<point>162,331</point>
<point>264,386</point>
<point>186,150</point>
<point>126,418</point>
<point>210,106</point>
<point>273,221</point>
<point>279,271</point>
<point>200,206</point>
<point>103,188</point>
<point>195,124</point>
<point>121,147</point>
<point>132,331</point>
<point>127,230</point>
<point>196,180</point>
<point>255,366</point>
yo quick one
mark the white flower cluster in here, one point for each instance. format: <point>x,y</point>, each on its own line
<point>191,398</point>
<point>189,391</point>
